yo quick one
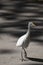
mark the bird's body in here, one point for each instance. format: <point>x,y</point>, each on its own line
<point>24,41</point>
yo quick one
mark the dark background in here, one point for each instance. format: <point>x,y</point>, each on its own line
<point>16,14</point>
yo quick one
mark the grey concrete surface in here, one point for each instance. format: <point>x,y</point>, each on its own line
<point>10,54</point>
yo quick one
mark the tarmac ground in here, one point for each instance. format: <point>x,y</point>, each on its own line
<point>10,54</point>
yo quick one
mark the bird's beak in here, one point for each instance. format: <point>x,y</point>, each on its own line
<point>33,24</point>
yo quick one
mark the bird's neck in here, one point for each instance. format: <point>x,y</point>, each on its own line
<point>28,31</point>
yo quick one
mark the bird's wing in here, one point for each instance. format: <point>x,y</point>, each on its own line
<point>21,40</point>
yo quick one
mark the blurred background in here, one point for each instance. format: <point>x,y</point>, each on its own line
<point>15,15</point>
<point>14,18</point>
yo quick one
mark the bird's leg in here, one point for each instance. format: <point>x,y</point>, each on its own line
<point>22,56</point>
<point>25,54</point>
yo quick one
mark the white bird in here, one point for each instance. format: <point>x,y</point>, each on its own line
<point>24,40</point>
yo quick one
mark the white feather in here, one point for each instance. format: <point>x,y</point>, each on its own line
<point>24,40</point>
<point>20,41</point>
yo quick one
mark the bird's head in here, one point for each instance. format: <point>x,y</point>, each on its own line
<point>31,24</point>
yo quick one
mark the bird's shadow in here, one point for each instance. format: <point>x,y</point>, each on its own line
<point>36,61</point>
<point>32,64</point>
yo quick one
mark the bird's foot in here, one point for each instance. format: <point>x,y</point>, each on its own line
<point>22,59</point>
<point>26,57</point>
